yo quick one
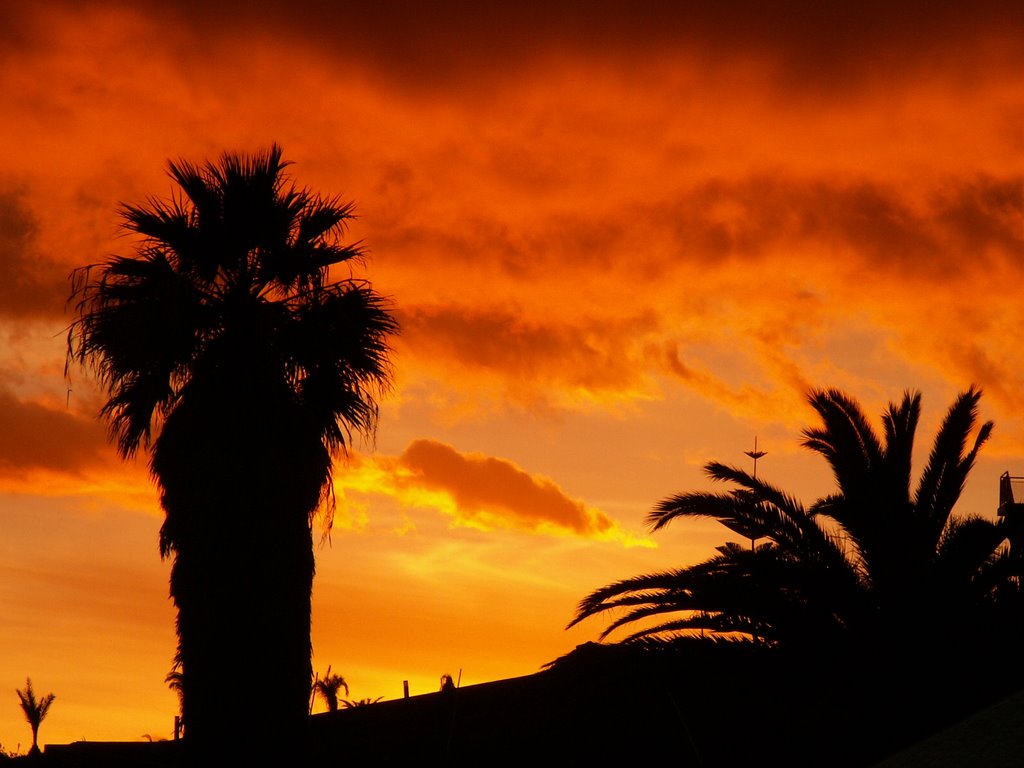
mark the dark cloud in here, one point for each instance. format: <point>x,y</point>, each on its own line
<point>808,43</point>
<point>985,215</point>
<point>29,284</point>
<point>810,40</point>
<point>33,436</point>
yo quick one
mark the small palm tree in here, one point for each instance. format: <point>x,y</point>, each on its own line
<point>35,711</point>
<point>328,687</point>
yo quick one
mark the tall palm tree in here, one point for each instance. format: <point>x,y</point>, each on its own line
<point>873,557</point>
<point>328,687</point>
<point>228,352</point>
<point>35,711</point>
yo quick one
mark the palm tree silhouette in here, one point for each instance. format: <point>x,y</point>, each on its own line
<point>328,687</point>
<point>871,558</point>
<point>228,352</point>
<point>35,711</point>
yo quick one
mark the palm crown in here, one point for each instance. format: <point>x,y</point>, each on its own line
<point>235,266</point>
<point>874,556</point>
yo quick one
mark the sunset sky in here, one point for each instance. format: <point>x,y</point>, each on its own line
<point>622,239</point>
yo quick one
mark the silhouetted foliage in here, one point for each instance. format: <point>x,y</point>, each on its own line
<point>173,680</point>
<point>328,686</point>
<point>873,560</point>
<point>227,350</point>
<point>360,702</point>
<point>35,711</point>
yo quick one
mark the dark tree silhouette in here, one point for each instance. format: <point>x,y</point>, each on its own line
<point>328,687</point>
<point>360,702</point>
<point>173,680</point>
<point>872,559</point>
<point>35,711</point>
<point>227,351</point>
<point>447,683</point>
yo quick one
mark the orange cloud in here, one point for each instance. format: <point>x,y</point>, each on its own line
<point>531,358</point>
<point>479,491</point>
<point>770,272</point>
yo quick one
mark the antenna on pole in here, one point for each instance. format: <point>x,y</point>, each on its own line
<point>755,455</point>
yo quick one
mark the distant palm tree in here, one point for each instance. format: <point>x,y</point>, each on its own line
<point>328,687</point>
<point>35,711</point>
<point>872,558</point>
<point>227,351</point>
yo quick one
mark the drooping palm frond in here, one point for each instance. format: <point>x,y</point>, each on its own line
<point>765,592</point>
<point>136,327</point>
<point>758,509</point>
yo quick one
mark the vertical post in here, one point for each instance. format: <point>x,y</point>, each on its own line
<point>405,688</point>
<point>755,455</point>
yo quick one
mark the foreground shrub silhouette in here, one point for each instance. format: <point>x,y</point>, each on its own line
<point>872,562</point>
<point>228,353</point>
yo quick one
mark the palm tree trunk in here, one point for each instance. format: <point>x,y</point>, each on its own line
<point>238,497</point>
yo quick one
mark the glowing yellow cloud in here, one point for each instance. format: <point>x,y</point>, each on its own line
<point>475,491</point>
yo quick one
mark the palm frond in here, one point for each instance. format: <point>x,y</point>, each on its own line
<point>944,476</point>
<point>846,440</point>
<point>866,559</point>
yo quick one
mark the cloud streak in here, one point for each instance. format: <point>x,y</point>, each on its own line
<point>34,436</point>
